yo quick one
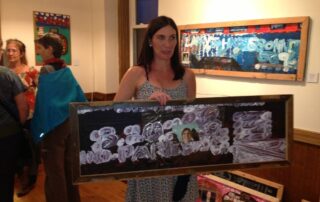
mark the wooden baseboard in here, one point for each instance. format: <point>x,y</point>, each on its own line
<point>96,96</point>
<point>306,136</point>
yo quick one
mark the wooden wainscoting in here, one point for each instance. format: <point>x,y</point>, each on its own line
<point>96,96</point>
<point>301,179</point>
<point>307,136</point>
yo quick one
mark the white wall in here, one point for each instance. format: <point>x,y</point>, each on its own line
<point>94,60</point>
<point>306,95</point>
<point>98,52</point>
<point>94,43</point>
<point>112,50</point>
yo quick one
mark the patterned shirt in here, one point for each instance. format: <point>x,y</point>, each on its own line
<point>30,81</point>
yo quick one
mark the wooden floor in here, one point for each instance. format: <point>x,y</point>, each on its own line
<point>108,191</point>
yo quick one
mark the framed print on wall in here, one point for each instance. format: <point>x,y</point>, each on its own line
<point>263,49</point>
<point>45,22</point>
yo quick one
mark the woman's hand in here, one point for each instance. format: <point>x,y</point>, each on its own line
<point>161,97</point>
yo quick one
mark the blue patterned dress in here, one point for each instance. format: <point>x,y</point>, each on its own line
<point>160,189</point>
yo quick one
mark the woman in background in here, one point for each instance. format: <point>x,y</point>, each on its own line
<point>160,76</point>
<point>28,165</point>
<point>13,113</point>
<point>57,89</point>
<point>17,62</point>
<point>1,53</point>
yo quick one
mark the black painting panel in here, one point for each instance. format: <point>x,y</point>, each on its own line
<point>141,139</point>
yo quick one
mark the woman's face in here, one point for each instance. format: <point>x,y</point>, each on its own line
<point>186,136</point>
<point>45,53</point>
<point>164,42</point>
<point>13,53</point>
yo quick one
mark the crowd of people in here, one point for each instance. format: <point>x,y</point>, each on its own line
<point>26,95</point>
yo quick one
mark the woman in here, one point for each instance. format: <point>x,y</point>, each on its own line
<point>1,53</point>
<point>17,62</point>
<point>160,76</point>
<point>57,88</point>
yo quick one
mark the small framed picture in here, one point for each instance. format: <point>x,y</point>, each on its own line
<point>185,58</point>
<point>237,186</point>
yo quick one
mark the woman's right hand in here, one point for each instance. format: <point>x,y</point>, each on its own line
<point>161,97</point>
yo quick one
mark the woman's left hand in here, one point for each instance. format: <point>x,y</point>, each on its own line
<point>161,97</point>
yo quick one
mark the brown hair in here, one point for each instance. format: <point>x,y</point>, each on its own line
<point>53,40</point>
<point>21,47</point>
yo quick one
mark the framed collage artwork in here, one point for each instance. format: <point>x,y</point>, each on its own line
<point>133,139</point>
<point>262,49</point>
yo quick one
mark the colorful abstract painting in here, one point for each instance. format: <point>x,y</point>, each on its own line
<point>266,49</point>
<point>45,22</point>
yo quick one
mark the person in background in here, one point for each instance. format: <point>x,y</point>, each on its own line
<point>30,159</point>
<point>1,53</point>
<point>17,61</point>
<point>57,88</point>
<point>13,113</point>
<point>159,75</point>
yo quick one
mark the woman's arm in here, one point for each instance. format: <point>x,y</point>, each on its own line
<point>128,84</point>
<point>22,107</point>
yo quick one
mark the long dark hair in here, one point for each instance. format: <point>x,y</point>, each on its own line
<point>146,53</point>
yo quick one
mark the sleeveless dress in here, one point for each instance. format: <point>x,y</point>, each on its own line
<point>160,189</point>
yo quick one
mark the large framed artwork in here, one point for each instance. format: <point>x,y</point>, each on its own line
<point>135,139</point>
<point>45,22</point>
<point>263,49</point>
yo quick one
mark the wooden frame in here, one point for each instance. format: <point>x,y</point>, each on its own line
<point>262,49</point>
<point>240,184</point>
<point>137,139</point>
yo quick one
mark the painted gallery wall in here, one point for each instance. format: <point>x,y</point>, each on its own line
<point>92,23</point>
<point>95,51</point>
<point>306,95</point>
